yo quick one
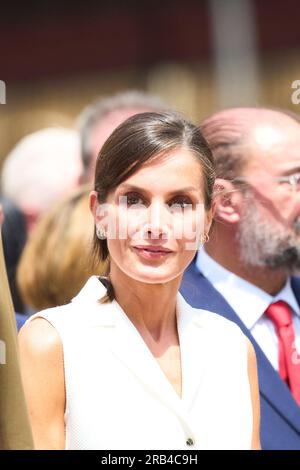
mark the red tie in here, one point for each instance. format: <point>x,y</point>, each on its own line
<point>289,361</point>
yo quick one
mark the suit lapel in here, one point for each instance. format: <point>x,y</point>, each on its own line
<point>193,347</point>
<point>131,349</point>
<point>295,283</point>
<point>200,293</point>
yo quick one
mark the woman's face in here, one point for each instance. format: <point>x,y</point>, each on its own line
<point>155,218</point>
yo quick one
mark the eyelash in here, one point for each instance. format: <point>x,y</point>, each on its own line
<point>184,200</point>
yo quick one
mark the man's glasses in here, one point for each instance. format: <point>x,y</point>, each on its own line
<point>291,181</point>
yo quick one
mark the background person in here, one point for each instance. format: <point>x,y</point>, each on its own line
<point>42,168</point>
<point>245,272</point>
<point>56,261</point>
<point>98,120</point>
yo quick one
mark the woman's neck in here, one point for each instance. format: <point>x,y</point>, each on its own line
<point>150,307</point>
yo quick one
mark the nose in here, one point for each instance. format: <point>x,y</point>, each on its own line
<point>158,218</point>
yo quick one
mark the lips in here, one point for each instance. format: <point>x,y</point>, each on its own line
<point>151,252</point>
<point>153,248</point>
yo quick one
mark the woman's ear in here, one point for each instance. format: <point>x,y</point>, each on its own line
<point>228,202</point>
<point>93,203</point>
<point>100,212</point>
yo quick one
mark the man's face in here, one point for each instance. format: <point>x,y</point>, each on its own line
<point>269,231</point>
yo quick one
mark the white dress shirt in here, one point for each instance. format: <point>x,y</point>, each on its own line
<point>250,303</point>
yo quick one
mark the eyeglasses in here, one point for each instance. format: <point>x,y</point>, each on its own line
<point>292,181</point>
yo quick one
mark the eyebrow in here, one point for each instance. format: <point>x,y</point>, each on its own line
<point>291,171</point>
<point>171,193</point>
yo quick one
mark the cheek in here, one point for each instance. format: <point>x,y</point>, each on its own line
<point>120,254</point>
<point>190,225</point>
<point>280,208</point>
<point>128,222</point>
<point>136,220</point>
<point>118,224</point>
<point>271,199</point>
<point>123,225</point>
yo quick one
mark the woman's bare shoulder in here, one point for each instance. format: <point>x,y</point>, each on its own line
<point>41,358</point>
<point>39,337</point>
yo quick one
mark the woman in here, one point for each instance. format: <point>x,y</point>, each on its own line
<point>56,261</point>
<point>129,364</point>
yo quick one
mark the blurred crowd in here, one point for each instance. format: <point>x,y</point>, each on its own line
<point>249,264</point>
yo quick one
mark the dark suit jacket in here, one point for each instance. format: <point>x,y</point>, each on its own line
<point>280,414</point>
<point>20,319</point>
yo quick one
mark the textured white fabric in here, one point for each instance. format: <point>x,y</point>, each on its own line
<point>117,396</point>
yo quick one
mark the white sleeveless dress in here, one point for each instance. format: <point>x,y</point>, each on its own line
<point>117,396</point>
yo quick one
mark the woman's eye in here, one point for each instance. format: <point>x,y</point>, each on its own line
<point>133,199</point>
<point>181,203</point>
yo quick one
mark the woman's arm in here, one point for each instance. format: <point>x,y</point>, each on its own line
<point>254,388</point>
<point>41,356</point>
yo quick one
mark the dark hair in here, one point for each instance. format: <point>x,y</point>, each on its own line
<point>98,111</point>
<point>140,139</point>
<point>14,235</point>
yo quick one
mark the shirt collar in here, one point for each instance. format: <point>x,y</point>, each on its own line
<point>247,300</point>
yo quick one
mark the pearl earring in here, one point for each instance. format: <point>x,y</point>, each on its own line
<point>100,232</point>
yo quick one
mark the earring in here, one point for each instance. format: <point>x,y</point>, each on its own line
<point>204,238</point>
<point>100,232</point>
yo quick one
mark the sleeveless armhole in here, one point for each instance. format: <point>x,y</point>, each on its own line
<point>47,317</point>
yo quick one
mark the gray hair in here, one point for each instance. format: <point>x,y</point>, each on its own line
<point>102,107</point>
<point>42,167</point>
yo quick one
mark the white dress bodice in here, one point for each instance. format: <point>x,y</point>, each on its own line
<point>117,396</point>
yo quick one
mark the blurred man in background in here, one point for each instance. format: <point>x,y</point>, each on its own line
<point>98,120</point>
<point>246,272</point>
<point>42,168</point>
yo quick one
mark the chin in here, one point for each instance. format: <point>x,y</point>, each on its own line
<point>154,277</point>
